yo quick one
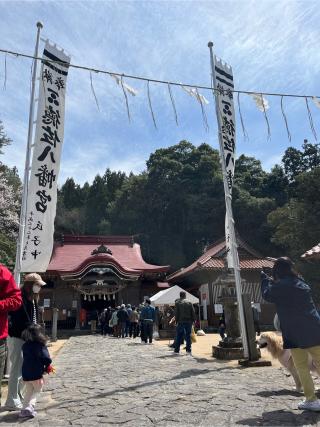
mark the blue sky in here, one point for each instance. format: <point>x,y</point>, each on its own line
<point>272,46</point>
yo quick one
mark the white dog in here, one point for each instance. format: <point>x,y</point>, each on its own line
<point>274,344</point>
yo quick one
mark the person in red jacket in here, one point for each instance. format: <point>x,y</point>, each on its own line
<point>10,300</point>
<point>19,321</point>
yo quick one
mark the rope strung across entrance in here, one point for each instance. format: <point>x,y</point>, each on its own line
<point>191,89</point>
<point>147,79</point>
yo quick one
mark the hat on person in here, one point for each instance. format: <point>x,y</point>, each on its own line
<point>123,306</point>
<point>34,278</point>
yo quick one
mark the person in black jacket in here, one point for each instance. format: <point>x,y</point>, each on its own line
<point>123,317</point>
<point>36,362</point>
<point>18,322</point>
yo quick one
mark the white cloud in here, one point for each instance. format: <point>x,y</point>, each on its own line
<point>271,45</point>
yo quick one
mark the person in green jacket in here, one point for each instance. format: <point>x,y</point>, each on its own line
<point>184,317</point>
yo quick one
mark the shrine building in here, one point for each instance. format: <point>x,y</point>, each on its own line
<point>94,272</point>
<point>202,277</point>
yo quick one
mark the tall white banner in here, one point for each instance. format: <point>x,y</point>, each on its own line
<point>42,190</point>
<point>226,121</point>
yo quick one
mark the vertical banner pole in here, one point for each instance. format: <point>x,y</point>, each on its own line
<point>22,222</point>
<point>228,201</point>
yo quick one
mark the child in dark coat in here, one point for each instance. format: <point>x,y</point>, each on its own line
<point>36,362</point>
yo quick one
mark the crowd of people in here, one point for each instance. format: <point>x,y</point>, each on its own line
<point>129,321</point>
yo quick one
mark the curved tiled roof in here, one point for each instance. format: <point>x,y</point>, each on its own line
<point>73,254</point>
<point>214,256</point>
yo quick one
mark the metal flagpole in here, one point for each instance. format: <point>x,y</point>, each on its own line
<point>228,201</point>
<point>23,210</point>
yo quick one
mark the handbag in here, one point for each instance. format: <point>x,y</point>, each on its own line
<point>193,335</point>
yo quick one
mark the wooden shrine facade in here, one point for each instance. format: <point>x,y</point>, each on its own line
<point>89,273</point>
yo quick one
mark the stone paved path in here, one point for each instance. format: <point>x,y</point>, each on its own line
<point>124,383</point>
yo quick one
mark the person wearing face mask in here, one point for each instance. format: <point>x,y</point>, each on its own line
<point>19,321</point>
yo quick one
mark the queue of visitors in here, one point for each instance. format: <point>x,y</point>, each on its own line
<point>126,321</point>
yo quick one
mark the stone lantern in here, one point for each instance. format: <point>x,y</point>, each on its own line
<point>231,346</point>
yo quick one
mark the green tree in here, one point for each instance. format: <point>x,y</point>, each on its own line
<point>4,140</point>
<point>10,195</point>
<point>250,215</point>
<point>297,161</point>
<point>71,194</point>
<point>181,203</point>
<point>311,155</point>
<point>249,175</point>
<point>100,196</point>
<point>296,224</point>
<point>275,185</point>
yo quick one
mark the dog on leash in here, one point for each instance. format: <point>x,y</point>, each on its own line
<point>274,345</point>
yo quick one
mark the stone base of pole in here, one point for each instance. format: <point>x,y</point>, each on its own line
<point>227,353</point>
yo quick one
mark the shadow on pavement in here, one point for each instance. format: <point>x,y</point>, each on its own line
<point>282,392</point>
<point>12,418</point>
<point>134,344</point>
<point>225,363</point>
<point>184,374</point>
<point>282,418</point>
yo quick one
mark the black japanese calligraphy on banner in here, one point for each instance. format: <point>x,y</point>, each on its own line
<point>42,192</point>
<point>223,84</point>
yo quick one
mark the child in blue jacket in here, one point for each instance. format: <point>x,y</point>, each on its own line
<point>36,362</point>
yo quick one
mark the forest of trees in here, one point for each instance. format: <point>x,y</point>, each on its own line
<point>10,199</point>
<point>176,206</point>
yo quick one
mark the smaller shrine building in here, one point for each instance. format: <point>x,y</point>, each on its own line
<point>90,273</point>
<point>202,277</point>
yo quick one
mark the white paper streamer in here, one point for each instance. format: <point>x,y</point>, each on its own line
<point>316,101</point>
<point>195,94</point>
<point>128,88</point>
<point>261,102</point>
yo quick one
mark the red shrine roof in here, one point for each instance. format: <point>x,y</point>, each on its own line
<point>73,255</point>
<point>214,259</point>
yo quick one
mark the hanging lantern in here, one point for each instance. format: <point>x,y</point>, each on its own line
<point>104,296</point>
<point>93,297</point>
<point>89,299</point>
<point>85,297</point>
<point>114,296</point>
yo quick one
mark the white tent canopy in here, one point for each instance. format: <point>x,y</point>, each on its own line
<point>169,296</point>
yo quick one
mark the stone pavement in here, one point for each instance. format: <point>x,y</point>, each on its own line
<point>120,382</point>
